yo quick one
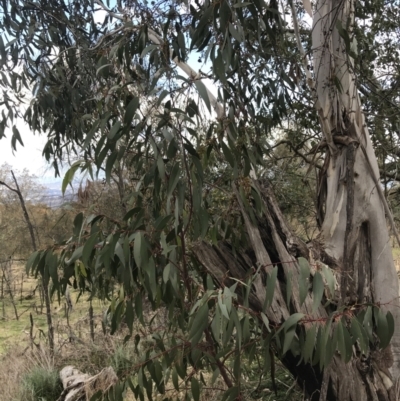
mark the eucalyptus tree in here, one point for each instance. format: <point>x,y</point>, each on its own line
<point>203,235</point>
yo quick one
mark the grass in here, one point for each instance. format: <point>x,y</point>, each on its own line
<point>41,384</point>
<point>27,375</point>
<point>13,331</point>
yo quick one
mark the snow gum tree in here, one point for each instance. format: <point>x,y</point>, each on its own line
<point>202,234</point>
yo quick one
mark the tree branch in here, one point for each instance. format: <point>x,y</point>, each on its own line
<point>158,40</point>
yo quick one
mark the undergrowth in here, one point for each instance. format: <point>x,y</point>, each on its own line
<point>40,384</point>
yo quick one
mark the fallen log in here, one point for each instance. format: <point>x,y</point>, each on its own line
<point>80,386</point>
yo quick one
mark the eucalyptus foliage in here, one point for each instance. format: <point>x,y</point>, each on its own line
<point>119,97</point>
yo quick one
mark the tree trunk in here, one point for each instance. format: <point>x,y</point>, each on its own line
<point>365,377</point>
<point>44,280</point>
<point>7,277</point>
<point>354,229</point>
<point>354,237</point>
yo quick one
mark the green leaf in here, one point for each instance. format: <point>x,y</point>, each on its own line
<point>129,315</point>
<point>16,137</point>
<point>291,321</point>
<point>75,256</point>
<point>3,53</point>
<point>120,253</point>
<point>131,213</point>
<point>78,223</point>
<point>348,344</point>
<point>367,323</point>
<point>199,168</point>
<point>219,68</point>
<point>382,328</point>
<point>235,33</point>
<point>130,110</point>
<point>340,340</point>
<point>289,334</point>
<point>304,278</point>
<point>215,376</point>
<point>228,154</point>
<point>318,290</point>
<point>344,34</point>
<point>222,306</point>
<point>203,93</point>
<point>114,129</point>
<point>138,248</point>
<point>89,247</point>
<point>244,4</point>
<point>195,387</point>
<point>238,326</point>
<point>110,164</point>
<point>245,328</point>
<point>288,288</point>
<point>390,322</point>
<point>266,321</point>
<point>325,352</point>
<point>69,176</point>
<point>330,279</point>
<point>148,49</point>
<point>175,379</point>
<point>173,178</point>
<point>31,262</point>
<point>359,334</point>
<point>309,343</point>
<point>231,394</point>
<point>97,396</point>
<point>199,324</point>
<point>204,20</point>
<point>162,222</point>
<point>52,265</point>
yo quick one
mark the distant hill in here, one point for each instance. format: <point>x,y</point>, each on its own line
<point>52,195</point>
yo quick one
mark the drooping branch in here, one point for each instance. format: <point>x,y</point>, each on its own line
<point>158,40</point>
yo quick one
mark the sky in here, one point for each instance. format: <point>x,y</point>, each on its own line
<point>28,156</point>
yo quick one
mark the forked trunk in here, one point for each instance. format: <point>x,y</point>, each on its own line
<point>354,228</point>
<point>354,236</point>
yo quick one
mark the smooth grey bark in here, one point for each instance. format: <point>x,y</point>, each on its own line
<point>354,229</point>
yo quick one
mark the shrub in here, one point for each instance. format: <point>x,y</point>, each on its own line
<point>122,360</point>
<point>41,384</point>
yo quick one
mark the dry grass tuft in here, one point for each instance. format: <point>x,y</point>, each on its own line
<point>15,365</point>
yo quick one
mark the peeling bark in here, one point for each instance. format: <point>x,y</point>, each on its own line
<point>354,228</point>
<point>365,377</point>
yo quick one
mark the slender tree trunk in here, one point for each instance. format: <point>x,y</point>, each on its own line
<point>44,280</point>
<point>91,321</point>
<point>7,277</point>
